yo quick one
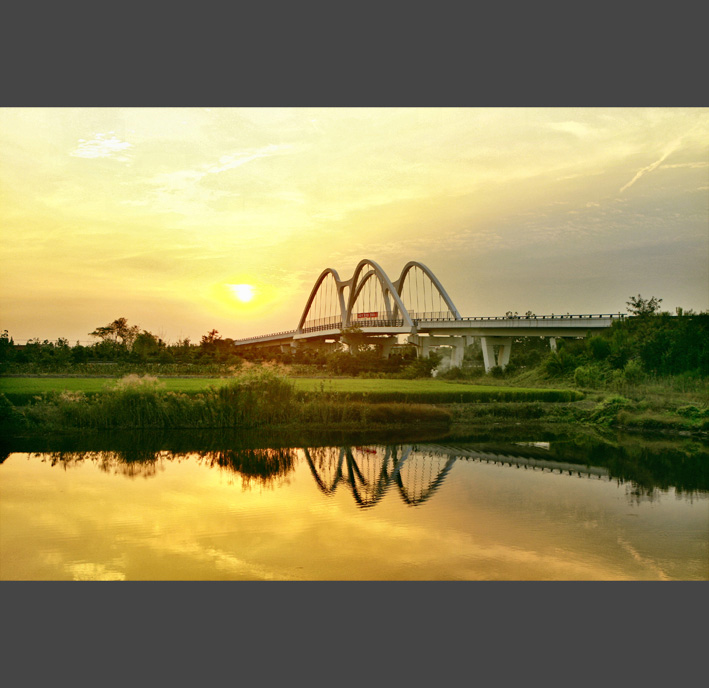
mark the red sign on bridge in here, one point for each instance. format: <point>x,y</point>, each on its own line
<point>372,315</point>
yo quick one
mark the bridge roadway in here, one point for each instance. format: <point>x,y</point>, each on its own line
<point>427,333</point>
<point>531,460</point>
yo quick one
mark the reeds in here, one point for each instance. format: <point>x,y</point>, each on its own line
<point>256,397</point>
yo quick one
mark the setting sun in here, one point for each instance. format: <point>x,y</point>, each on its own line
<point>243,292</point>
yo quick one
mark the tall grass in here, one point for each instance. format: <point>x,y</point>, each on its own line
<point>255,397</point>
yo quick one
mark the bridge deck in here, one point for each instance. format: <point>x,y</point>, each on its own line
<point>538,325</point>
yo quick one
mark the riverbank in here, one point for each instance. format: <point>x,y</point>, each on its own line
<point>263,397</point>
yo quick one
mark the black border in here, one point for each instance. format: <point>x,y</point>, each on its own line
<point>282,55</point>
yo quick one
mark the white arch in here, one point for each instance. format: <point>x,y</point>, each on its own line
<point>399,285</point>
<point>355,295</point>
<point>387,287</point>
<point>340,295</point>
<point>391,292</point>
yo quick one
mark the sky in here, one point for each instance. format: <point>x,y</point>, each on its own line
<point>154,214</point>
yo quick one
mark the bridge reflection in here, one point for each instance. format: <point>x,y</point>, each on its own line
<point>413,472</point>
<point>371,471</point>
<point>416,472</point>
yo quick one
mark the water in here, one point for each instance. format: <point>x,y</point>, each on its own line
<point>500,508</point>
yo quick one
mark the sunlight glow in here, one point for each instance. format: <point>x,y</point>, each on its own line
<point>186,220</point>
<point>243,292</point>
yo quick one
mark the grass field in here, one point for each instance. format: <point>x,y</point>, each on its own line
<point>22,390</point>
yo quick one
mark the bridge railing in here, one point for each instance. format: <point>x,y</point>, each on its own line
<point>322,327</point>
<point>567,316</point>
<point>398,322</point>
<point>431,317</point>
<point>287,333</point>
<point>331,322</point>
<point>434,315</point>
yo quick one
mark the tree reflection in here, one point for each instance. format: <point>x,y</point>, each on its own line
<point>413,471</point>
<point>263,467</point>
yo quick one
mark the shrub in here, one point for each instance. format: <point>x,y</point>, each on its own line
<point>591,375</point>
<point>559,363</point>
<point>633,372</point>
<point>600,347</point>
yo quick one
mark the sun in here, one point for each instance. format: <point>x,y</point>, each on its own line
<point>243,292</point>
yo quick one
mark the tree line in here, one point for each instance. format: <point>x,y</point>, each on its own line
<point>649,342</point>
<point>117,342</point>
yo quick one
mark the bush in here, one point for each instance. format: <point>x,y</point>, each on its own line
<point>600,347</point>
<point>559,363</point>
<point>421,367</point>
<point>633,372</point>
<point>608,410</point>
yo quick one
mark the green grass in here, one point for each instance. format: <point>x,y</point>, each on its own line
<point>22,390</point>
<point>260,397</point>
<point>88,385</point>
<point>429,391</point>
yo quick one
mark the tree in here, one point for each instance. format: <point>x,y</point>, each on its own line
<point>642,307</point>
<point>209,339</point>
<point>117,331</point>
<point>6,347</point>
<point>147,345</point>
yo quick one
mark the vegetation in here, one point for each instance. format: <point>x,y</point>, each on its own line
<point>648,371</point>
<point>431,391</point>
<point>257,397</point>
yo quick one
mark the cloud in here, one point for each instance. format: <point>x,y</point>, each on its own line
<point>181,179</point>
<point>671,148</point>
<point>229,162</point>
<point>102,146</point>
<point>180,190</point>
<point>575,128</point>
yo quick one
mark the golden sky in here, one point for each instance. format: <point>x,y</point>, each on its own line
<point>152,213</point>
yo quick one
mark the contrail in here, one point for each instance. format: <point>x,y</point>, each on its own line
<point>670,149</point>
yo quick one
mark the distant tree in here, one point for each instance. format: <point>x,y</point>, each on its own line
<point>6,347</point>
<point>642,307</point>
<point>355,339</point>
<point>182,350</point>
<point>423,366</point>
<point>209,339</point>
<point>117,331</point>
<point>147,345</point>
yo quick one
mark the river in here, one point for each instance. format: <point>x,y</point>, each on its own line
<point>511,505</point>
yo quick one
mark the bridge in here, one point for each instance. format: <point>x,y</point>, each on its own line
<point>417,307</point>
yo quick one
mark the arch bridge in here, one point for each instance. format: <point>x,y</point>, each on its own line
<point>417,306</point>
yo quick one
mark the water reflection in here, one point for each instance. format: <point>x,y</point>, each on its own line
<point>444,508</point>
<point>262,467</point>
<point>416,471</point>
<point>371,471</point>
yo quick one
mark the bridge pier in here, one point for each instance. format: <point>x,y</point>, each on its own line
<point>503,354</point>
<point>425,344</point>
<point>388,344</point>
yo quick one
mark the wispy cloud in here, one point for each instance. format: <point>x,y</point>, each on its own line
<point>229,162</point>
<point>179,179</point>
<point>102,146</point>
<point>570,127</point>
<point>671,148</point>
